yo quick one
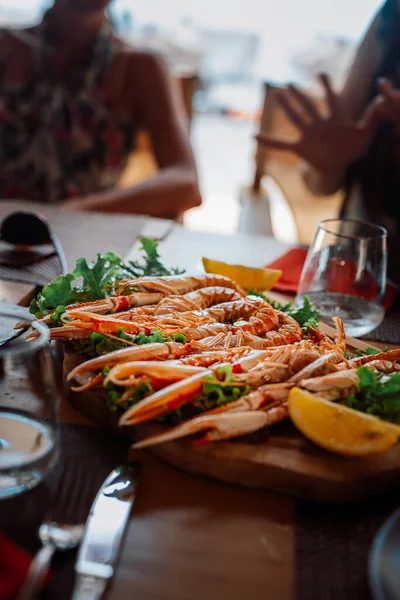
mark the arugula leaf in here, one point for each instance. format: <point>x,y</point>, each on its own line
<point>367,378</point>
<point>370,351</point>
<point>377,395</point>
<point>221,390</point>
<point>276,305</point>
<point>97,278</point>
<point>55,318</point>
<point>85,284</point>
<point>114,394</point>
<point>305,313</point>
<point>59,292</point>
<point>151,264</point>
<point>98,344</point>
<point>90,282</point>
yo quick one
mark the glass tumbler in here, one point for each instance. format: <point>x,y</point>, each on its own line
<point>30,390</point>
<point>344,274</point>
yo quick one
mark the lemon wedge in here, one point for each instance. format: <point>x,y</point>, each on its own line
<point>338,428</point>
<point>249,278</point>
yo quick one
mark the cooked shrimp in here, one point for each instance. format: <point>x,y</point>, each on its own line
<point>390,355</point>
<point>176,284</point>
<point>166,351</point>
<point>327,344</point>
<point>333,386</point>
<point>271,394</point>
<point>114,304</point>
<point>197,300</point>
<point>217,427</point>
<point>124,373</point>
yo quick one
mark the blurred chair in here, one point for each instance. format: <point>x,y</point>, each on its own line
<point>142,164</point>
<point>278,201</point>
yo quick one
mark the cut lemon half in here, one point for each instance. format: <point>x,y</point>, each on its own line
<point>249,278</point>
<point>338,428</point>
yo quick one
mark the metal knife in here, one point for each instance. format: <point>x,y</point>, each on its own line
<point>108,518</point>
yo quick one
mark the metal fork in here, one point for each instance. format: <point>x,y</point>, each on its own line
<point>58,531</point>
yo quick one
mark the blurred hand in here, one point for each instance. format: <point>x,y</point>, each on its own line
<point>327,142</point>
<point>386,107</point>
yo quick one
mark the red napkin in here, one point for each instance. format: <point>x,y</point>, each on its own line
<point>14,565</point>
<point>291,265</point>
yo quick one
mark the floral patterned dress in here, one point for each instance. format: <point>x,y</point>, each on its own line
<point>60,139</point>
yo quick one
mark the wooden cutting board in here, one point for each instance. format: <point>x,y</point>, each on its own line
<point>283,461</point>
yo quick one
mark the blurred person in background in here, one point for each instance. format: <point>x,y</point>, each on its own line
<point>72,98</point>
<point>356,146</point>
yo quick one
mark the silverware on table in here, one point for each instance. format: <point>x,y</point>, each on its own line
<point>98,554</point>
<point>59,532</point>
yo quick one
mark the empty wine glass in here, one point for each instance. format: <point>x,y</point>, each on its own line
<point>345,274</point>
<point>30,389</point>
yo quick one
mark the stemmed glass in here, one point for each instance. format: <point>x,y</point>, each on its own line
<point>345,274</point>
<point>30,390</point>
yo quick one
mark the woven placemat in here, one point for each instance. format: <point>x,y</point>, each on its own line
<point>389,330</point>
<point>332,547</point>
<point>80,233</point>
<point>87,456</point>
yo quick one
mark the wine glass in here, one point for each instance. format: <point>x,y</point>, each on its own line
<point>30,390</point>
<point>344,274</point>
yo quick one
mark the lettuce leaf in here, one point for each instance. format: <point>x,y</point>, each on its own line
<point>98,344</point>
<point>93,281</point>
<point>114,394</point>
<point>370,351</point>
<point>86,283</point>
<point>377,395</point>
<point>151,264</point>
<point>222,388</point>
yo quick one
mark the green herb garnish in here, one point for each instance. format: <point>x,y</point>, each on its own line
<point>377,394</point>
<point>115,393</point>
<point>152,265</point>
<point>98,344</point>
<point>222,388</point>
<point>370,351</point>
<point>86,283</point>
<point>94,281</point>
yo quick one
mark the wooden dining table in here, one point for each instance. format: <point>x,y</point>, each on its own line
<point>191,537</point>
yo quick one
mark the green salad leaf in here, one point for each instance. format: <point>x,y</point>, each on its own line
<point>221,389</point>
<point>98,344</point>
<point>86,283</point>
<point>151,265</point>
<point>93,281</point>
<point>306,314</point>
<point>370,351</point>
<point>378,394</point>
<point>115,392</point>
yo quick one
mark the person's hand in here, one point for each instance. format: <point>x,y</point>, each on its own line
<point>386,107</point>
<point>328,142</point>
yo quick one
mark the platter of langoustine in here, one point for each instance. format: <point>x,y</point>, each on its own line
<point>226,383</point>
